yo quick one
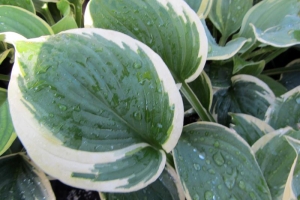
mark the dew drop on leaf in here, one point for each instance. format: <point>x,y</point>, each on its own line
<point>208,195</point>
<point>242,185</point>
<point>197,166</point>
<point>196,197</point>
<point>62,107</point>
<point>202,156</point>
<point>298,100</point>
<point>217,144</point>
<point>218,158</point>
<point>137,115</point>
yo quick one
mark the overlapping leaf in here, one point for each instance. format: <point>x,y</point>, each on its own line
<point>291,79</point>
<point>96,108</point>
<point>26,4</point>
<point>21,179</point>
<point>201,7</point>
<point>214,162</point>
<point>171,28</point>
<point>274,85</point>
<point>166,187</point>
<point>247,95</point>
<point>285,111</point>
<point>247,67</point>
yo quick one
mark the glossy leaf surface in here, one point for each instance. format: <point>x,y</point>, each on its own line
<point>103,104</point>
<point>171,28</point>
<point>25,4</point>
<point>213,162</point>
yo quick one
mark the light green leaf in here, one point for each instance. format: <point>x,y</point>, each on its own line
<point>7,134</point>
<point>104,105</point>
<point>219,74</point>
<point>247,95</point>
<point>273,14</point>
<point>247,67</point>
<point>166,187</point>
<point>249,127</point>
<point>274,85</point>
<point>22,179</point>
<point>201,7</point>
<point>213,162</point>
<point>285,111</point>
<point>227,16</point>
<point>4,54</point>
<point>26,4</point>
<point>216,52</point>
<point>18,20</point>
<point>203,89</point>
<point>291,80</point>
<point>275,157</point>
<point>292,189</point>
<point>78,4</point>
<point>171,28</point>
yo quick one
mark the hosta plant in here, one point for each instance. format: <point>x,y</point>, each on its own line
<point>157,99</point>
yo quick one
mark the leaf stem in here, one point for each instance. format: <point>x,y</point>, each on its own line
<point>191,97</point>
<point>275,54</point>
<point>258,52</point>
<point>223,40</point>
<point>281,70</point>
<point>47,14</point>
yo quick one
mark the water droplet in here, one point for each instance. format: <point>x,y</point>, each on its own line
<point>197,166</point>
<point>62,107</point>
<point>217,144</point>
<point>159,125</point>
<point>77,108</point>
<point>298,100</point>
<point>219,187</point>
<point>202,156</point>
<point>51,115</point>
<point>196,197</point>
<point>252,195</point>
<point>208,195</point>
<point>218,158</point>
<point>137,65</point>
<point>211,171</point>
<point>242,185</point>
<point>229,179</point>
<point>137,115</point>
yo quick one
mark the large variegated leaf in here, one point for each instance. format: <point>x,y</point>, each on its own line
<point>213,162</point>
<point>166,187</point>
<point>23,22</point>
<point>216,52</point>
<point>285,111</point>
<point>227,16</point>
<point>291,79</point>
<point>21,179</point>
<point>7,134</point>
<point>247,95</point>
<point>292,189</point>
<point>25,4</point>
<point>201,7</point>
<point>249,127</point>
<point>274,14</point>
<point>275,157</point>
<point>96,108</point>
<point>171,28</point>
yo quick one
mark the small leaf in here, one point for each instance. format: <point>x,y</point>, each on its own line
<point>4,54</point>
<point>167,187</point>
<point>285,111</point>
<point>18,20</point>
<point>213,162</point>
<point>249,127</point>
<point>273,13</point>
<point>171,28</point>
<point>21,179</point>
<point>247,67</point>
<point>292,189</point>
<point>201,7</point>
<point>274,85</point>
<point>7,134</point>
<point>291,80</point>
<point>26,4</point>
<point>227,15</point>
<point>247,95</point>
<point>275,158</point>
<point>105,105</point>
<point>216,52</point>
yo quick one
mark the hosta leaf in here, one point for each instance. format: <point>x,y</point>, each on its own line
<point>26,4</point>
<point>213,162</point>
<point>201,7</point>
<point>274,85</point>
<point>275,157</point>
<point>273,12</point>
<point>216,52</point>
<point>18,20</point>
<point>166,187</point>
<point>227,15</point>
<point>247,67</point>
<point>291,80</point>
<point>219,74</point>
<point>203,90</point>
<point>285,111</point>
<point>249,127</point>
<point>7,134</point>
<point>103,104</point>
<point>247,95</point>
<point>78,4</point>
<point>292,189</point>
<point>171,28</point>
<point>21,179</point>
